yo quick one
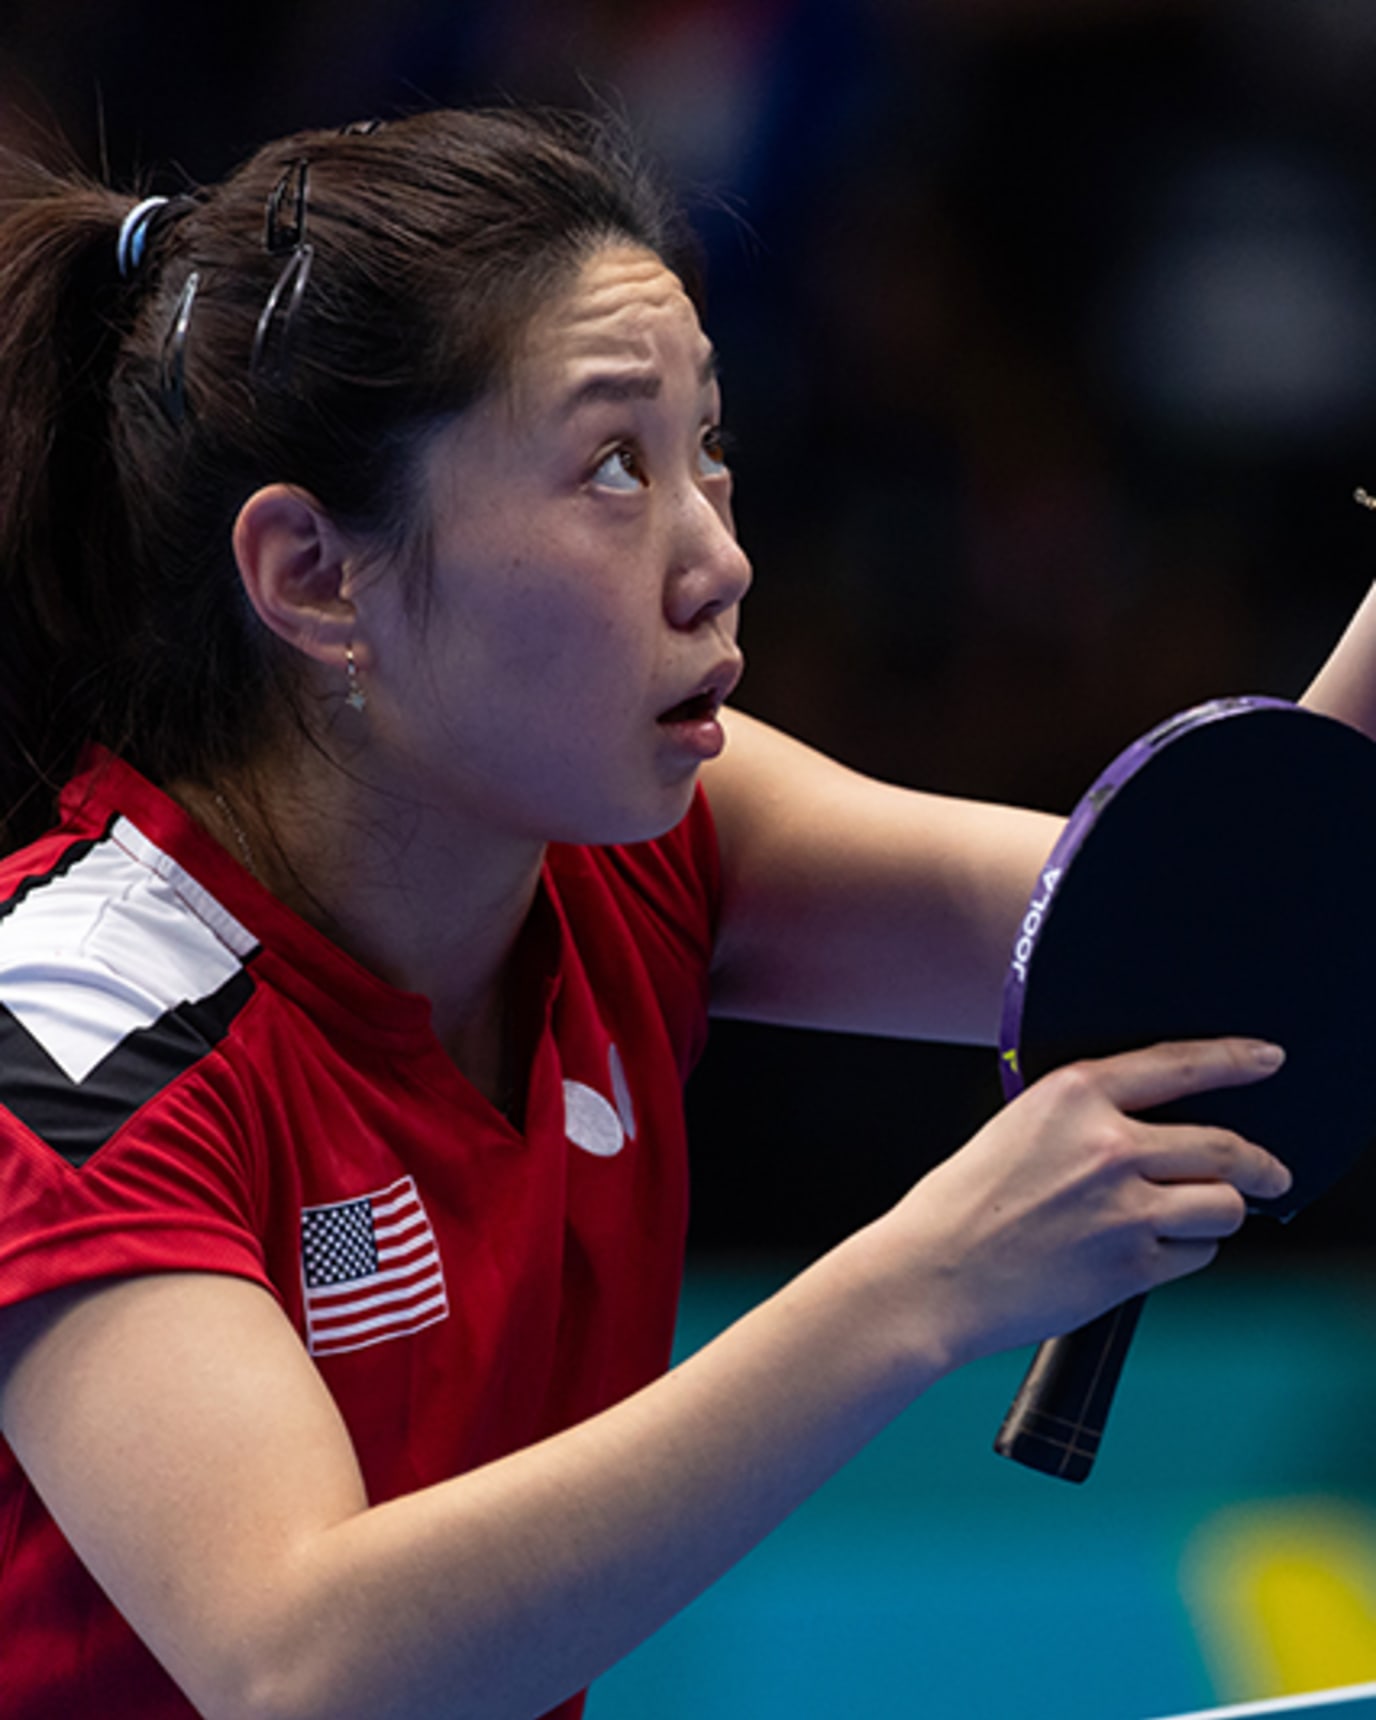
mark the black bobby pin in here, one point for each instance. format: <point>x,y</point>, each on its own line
<point>284,230</point>
<point>173,365</point>
<point>270,359</point>
<point>284,226</point>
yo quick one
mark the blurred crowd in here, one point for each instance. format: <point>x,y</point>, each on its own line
<point>1048,332</point>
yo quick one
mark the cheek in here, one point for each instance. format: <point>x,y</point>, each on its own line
<point>574,628</point>
<point>533,612</point>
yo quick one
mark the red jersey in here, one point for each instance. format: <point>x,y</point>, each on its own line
<point>193,1078</point>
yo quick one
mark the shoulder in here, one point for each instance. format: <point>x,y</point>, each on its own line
<point>118,971</point>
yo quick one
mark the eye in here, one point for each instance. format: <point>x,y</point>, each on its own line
<point>620,469</point>
<point>713,451</point>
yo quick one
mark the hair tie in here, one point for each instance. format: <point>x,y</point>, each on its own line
<point>133,235</point>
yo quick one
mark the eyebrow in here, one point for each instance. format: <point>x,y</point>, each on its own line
<point>598,390</point>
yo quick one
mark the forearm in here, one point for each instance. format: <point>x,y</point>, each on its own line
<point>517,1585</point>
<point>1345,687</point>
<point>191,1454</point>
<point>504,1591</point>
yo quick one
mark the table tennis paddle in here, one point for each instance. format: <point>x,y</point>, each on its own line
<point>1217,878</point>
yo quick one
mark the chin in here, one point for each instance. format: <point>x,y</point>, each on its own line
<point>638,821</point>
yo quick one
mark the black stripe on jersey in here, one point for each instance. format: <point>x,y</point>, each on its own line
<point>76,1118</point>
<point>68,858</point>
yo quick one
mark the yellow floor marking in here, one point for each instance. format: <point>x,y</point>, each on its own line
<point>1283,1597</point>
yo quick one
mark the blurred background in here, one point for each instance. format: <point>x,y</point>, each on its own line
<point>1048,333</point>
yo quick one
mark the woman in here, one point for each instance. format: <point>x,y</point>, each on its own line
<point>371,582</point>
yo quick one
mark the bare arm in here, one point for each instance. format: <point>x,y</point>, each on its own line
<point>1345,687</point>
<point>854,905</point>
<point>164,1416</point>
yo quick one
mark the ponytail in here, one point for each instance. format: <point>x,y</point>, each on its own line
<point>61,527</point>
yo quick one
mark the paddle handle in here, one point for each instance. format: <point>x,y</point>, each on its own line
<point>1057,1418</point>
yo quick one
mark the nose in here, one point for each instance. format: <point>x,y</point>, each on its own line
<point>709,571</point>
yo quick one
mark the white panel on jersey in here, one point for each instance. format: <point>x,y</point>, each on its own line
<point>110,946</point>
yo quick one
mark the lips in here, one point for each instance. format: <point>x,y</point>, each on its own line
<point>711,693</point>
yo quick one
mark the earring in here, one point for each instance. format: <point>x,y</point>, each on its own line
<point>355,698</point>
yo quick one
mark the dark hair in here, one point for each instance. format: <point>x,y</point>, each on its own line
<point>307,321</point>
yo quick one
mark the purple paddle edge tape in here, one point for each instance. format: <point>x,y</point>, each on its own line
<point>1081,821</point>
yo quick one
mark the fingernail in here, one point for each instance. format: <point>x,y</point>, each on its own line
<point>1279,1181</point>
<point>1267,1056</point>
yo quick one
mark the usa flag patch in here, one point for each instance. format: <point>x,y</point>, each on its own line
<point>371,1269</point>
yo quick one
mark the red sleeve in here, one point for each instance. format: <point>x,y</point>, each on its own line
<point>172,1191</point>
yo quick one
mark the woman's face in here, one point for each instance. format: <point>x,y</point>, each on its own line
<point>565,680</point>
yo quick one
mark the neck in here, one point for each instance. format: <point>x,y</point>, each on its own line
<point>424,902</point>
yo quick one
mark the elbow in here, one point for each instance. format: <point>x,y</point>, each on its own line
<point>324,1682</point>
<point>287,1676</point>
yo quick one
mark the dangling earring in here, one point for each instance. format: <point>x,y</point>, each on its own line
<point>355,698</point>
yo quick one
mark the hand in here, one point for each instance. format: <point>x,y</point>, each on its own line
<point>1067,1202</point>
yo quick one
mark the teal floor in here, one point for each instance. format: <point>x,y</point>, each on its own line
<point>933,1578</point>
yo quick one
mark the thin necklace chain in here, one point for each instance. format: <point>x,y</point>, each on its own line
<point>240,835</point>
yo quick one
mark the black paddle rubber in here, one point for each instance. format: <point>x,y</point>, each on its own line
<point>1219,878</point>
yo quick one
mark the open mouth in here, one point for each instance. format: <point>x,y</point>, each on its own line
<point>695,710</point>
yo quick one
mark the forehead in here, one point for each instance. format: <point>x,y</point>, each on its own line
<point>624,313</point>
<point>622,329</point>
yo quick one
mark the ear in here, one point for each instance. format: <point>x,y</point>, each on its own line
<point>297,571</point>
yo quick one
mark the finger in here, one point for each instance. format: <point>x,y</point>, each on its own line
<point>1138,1080</point>
<point>1199,1212</point>
<point>1188,1153</point>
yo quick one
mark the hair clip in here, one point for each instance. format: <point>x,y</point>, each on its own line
<point>1361,496</point>
<point>173,362</point>
<point>361,127</point>
<point>270,358</point>
<point>284,223</point>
